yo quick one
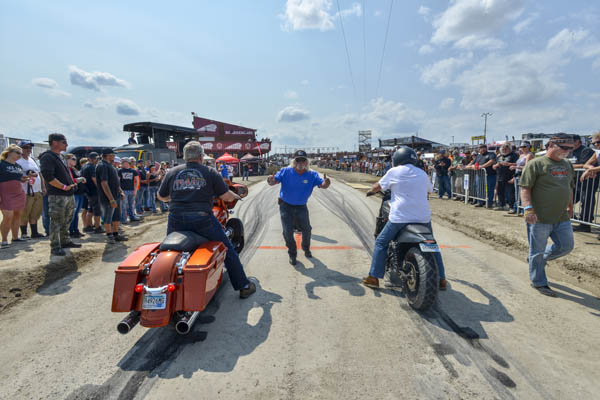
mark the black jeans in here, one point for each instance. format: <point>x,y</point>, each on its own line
<point>295,217</point>
<point>205,224</point>
<point>506,193</point>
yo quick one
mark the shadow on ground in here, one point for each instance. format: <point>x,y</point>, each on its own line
<point>323,277</point>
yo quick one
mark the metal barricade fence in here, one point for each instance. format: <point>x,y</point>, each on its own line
<point>477,184</point>
<point>585,200</point>
<point>458,185</point>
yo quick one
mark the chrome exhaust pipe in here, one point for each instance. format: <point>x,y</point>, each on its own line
<point>128,322</point>
<point>184,325</point>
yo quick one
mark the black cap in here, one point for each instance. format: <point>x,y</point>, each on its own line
<point>93,155</point>
<point>56,137</point>
<point>576,138</point>
<point>24,143</point>
<point>300,154</point>
<point>107,150</point>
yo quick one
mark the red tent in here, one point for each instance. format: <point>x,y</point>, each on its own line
<point>228,158</point>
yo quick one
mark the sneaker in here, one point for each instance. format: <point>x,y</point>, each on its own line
<point>293,260</point>
<point>371,282</point>
<point>99,230</point>
<point>88,229</point>
<point>37,235</point>
<point>512,212</point>
<point>4,245</point>
<point>26,237</point>
<point>19,240</point>
<point>76,235</point>
<point>245,293</point>
<point>110,239</point>
<point>121,238</point>
<point>71,245</point>
<point>478,205</point>
<point>498,208</point>
<point>58,252</point>
<point>125,222</point>
<point>308,254</point>
<point>545,290</point>
<point>582,228</point>
<point>443,284</point>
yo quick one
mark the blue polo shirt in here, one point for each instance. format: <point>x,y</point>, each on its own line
<point>295,188</point>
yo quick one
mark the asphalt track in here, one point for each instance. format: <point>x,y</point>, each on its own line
<point>313,331</point>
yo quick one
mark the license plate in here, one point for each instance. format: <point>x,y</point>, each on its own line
<point>429,247</point>
<point>154,302</point>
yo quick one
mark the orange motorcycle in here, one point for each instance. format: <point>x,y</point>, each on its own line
<point>172,281</point>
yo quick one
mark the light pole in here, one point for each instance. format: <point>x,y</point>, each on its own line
<point>485,115</point>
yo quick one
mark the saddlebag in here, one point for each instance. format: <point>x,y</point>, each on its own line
<point>202,275</point>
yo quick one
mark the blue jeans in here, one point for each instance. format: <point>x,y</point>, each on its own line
<point>295,217</point>
<point>74,227</point>
<point>141,199</point>
<point>444,185</point>
<point>151,204</point>
<point>539,252</point>
<point>127,206</point>
<point>46,215</point>
<point>387,234</point>
<point>491,185</point>
<point>205,224</point>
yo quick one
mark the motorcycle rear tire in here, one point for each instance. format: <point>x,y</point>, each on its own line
<point>237,239</point>
<point>424,295</point>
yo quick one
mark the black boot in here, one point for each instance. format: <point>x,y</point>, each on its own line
<point>24,231</point>
<point>34,231</point>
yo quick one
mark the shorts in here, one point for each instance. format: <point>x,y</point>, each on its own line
<point>33,208</point>
<point>84,204</point>
<point>109,214</point>
<point>94,205</point>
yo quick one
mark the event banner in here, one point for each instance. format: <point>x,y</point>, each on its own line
<point>209,127</point>
<point>230,146</point>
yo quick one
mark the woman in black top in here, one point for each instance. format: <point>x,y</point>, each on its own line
<point>12,196</point>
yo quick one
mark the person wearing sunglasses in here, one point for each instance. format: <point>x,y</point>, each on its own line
<point>12,196</point>
<point>547,197</point>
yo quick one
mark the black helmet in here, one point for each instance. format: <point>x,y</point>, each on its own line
<point>404,155</point>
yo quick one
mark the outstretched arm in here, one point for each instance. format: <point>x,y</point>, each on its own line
<point>271,180</point>
<point>376,188</point>
<point>326,182</point>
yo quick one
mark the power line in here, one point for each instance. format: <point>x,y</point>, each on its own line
<point>365,49</point>
<point>387,29</point>
<point>346,46</point>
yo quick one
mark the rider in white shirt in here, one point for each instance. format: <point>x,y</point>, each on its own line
<point>409,186</point>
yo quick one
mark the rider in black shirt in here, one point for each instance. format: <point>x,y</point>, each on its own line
<point>190,189</point>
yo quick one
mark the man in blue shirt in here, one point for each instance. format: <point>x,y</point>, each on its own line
<point>224,171</point>
<point>297,183</point>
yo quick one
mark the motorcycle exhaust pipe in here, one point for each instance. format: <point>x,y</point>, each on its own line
<point>128,322</point>
<point>184,325</point>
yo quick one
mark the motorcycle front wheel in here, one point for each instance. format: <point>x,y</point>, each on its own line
<point>421,283</point>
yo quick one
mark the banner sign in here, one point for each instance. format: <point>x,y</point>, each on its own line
<point>231,146</point>
<point>209,127</point>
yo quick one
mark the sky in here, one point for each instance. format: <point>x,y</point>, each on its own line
<point>306,73</point>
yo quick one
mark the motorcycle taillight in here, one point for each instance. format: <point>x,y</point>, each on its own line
<point>139,288</point>
<point>170,287</point>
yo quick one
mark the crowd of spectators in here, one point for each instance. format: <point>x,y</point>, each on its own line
<point>75,198</point>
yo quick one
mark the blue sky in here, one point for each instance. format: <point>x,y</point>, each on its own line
<point>87,68</point>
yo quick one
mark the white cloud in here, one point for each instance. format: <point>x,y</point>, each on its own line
<point>565,39</point>
<point>292,114</point>
<point>447,103</point>
<point>290,94</point>
<point>524,24</point>
<point>477,42</point>
<point>426,49</point>
<point>424,11</point>
<point>45,83</point>
<point>441,73</point>
<point>476,20</point>
<point>383,117</point>
<point>127,107</point>
<point>313,14</point>
<point>93,80</point>
<point>50,87</point>
<point>304,82</point>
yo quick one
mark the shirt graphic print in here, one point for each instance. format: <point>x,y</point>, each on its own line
<point>189,179</point>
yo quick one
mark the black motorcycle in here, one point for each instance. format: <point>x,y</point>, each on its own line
<point>411,264</point>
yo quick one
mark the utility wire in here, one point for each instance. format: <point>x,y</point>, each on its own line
<point>365,49</point>
<point>387,29</point>
<point>346,46</point>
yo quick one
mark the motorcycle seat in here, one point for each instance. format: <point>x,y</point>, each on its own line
<point>184,241</point>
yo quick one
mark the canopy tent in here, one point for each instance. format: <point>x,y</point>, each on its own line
<point>228,158</point>
<point>208,158</point>
<point>249,157</point>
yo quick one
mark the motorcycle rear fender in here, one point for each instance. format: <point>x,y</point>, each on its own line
<point>415,233</point>
<point>162,272</point>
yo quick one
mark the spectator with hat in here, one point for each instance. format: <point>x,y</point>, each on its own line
<point>297,184</point>
<point>547,198</point>
<point>442,164</point>
<point>60,186</point>
<point>12,196</point>
<point>34,190</point>
<point>109,196</point>
<point>525,156</point>
<point>142,195</point>
<point>92,221</point>
<point>485,159</point>
<point>507,158</point>
<point>78,196</point>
